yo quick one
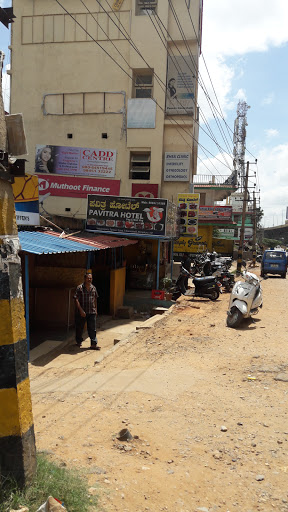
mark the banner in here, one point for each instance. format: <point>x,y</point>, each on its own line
<point>144,190</point>
<point>25,191</point>
<point>189,209</point>
<point>75,161</point>
<point>194,244</point>
<point>180,85</point>
<point>127,215</point>
<point>177,167</point>
<point>215,213</point>
<point>68,186</point>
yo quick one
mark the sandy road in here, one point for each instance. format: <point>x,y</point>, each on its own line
<point>210,419</point>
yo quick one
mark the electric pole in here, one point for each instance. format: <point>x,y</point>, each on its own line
<point>239,140</point>
<point>242,229</point>
<point>254,253</point>
<point>17,439</point>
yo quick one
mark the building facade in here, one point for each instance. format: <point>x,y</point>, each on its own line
<point>108,90</point>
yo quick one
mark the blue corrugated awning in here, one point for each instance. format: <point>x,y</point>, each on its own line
<point>36,242</point>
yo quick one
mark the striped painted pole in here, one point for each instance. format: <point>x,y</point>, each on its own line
<point>17,440</point>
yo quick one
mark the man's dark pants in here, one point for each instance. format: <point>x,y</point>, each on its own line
<point>91,328</point>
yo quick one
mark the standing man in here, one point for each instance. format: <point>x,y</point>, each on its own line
<point>86,311</point>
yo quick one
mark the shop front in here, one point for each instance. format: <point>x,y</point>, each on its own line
<point>154,223</point>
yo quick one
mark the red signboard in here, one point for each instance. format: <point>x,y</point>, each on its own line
<point>215,213</point>
<point>68,186</point>
<point>148,190</point>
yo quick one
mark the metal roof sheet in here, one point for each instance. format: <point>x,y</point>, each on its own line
<point>36,242</point>
<point>98,241</point>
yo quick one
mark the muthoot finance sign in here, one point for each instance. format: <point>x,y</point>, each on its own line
<point>75,161</point>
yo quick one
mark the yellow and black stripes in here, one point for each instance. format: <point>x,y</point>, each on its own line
<point>17,440</point>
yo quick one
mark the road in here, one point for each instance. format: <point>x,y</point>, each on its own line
<point>207,406</point>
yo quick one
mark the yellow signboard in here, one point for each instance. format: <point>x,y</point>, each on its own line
<point>199,243</point>
<point>117,5</point>
<point>189,212</point>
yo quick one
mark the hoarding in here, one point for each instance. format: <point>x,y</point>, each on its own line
<point>189,209</point>
<point>75,161</point>
<point>193,244</point>
<point>144,190</point>
<point>70,186</point>
<point>180,85</point>
<point>215,213</point>
<point>128,215</point>
<point>25,190</point>
<point>224,234</point>
<point>177,166</point>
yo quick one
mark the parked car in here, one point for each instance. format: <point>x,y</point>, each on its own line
<point>274,262</point>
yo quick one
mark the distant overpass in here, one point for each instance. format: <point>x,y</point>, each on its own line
<point>277,233</point>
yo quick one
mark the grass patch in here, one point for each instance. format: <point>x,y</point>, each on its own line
<point>50,480</point>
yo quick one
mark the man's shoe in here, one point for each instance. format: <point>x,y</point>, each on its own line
<point>79,345</point>
<point>95,347</point>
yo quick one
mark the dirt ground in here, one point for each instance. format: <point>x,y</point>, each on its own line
<point>203,402</point>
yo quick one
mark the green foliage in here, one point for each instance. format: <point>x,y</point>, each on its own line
<point>271,243</point>
<point>50,480</point>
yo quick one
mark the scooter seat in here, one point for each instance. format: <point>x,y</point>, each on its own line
<point>203,280</point>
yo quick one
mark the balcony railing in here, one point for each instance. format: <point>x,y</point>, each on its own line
<point>215,181</point>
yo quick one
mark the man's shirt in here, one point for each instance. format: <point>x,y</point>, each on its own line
<point>87,298</point>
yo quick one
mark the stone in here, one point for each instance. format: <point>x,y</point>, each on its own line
<point>282,377</point>
<point>259,478</point>
<point>223,428</point>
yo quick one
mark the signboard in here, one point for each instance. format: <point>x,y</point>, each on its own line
<point>127,215</point>
<point>236,201</point>
<point>215,213</point>
<point>197,243</point>
<point>25,190</point>
<point>224,234</point>
<point>177,167</point>
<point>144,190</point>
<point>172,221</point>
<point>141,113</point>
<point>72,160</point>
<point>117,5</point>
<point>189,209</point>
<point>68,186</point>
<point>248,233</point>
<point>180,97</point>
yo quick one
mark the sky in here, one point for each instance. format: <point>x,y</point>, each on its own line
<point>245,47</point>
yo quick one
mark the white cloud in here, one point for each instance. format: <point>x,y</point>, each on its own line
<point>236,28</point>
<point>268,99</point>
<point>271,133</point>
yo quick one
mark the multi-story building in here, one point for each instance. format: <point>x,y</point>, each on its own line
<point>117,79</point>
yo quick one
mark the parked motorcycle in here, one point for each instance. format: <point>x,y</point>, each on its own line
<point>245,299</point>
<point>226,278</point>
<point>207,287</point>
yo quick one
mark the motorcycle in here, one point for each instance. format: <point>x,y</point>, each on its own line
<point>245,299</point>
<point>226,278</point>
<point>207,287</point>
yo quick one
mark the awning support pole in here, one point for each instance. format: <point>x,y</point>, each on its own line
<point>88,264</point>
<point>158,265</point>
<point>27,316</point>
<point>172,257</point>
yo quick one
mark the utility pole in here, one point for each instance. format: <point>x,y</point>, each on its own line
<point>254,253</point>
<point>17,439</point>
<point>242,229</point>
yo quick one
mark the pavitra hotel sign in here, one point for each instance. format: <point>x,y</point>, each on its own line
<point>177,166</point>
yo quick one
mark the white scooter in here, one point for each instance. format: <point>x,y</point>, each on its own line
<point>245,299</point>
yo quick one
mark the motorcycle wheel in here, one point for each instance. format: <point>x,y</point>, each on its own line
<point>235,318</point>
<point>214,294</point>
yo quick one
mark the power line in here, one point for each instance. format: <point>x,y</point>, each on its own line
<point>153,99</point>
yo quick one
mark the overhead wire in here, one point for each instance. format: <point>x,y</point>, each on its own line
<point>171,118</point>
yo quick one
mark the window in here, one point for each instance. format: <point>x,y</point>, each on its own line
<point>143,83</point>
<point>140,166</point>
<point>145,7</point>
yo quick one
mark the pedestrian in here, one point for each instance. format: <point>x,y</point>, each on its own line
<point>86,311</point>
<point>186,263</point>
